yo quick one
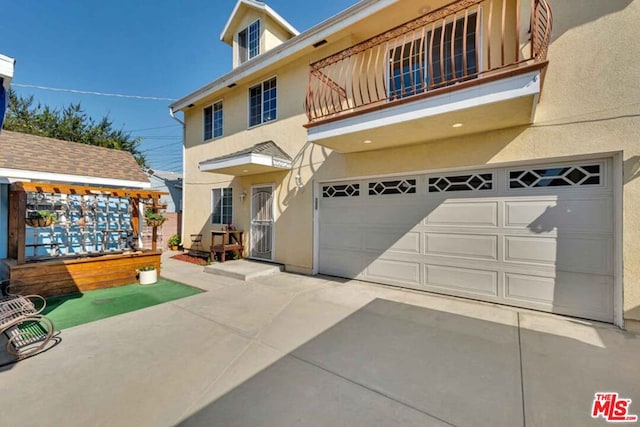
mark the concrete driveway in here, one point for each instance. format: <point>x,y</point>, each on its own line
<point>308,351</point>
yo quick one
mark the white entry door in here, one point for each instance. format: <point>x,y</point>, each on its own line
<point>535,236</point>
<point>262,222</point>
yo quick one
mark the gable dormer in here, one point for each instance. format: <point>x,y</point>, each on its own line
<point>254,28</point>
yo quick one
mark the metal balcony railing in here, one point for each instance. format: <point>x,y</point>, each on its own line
<point>463,42</point>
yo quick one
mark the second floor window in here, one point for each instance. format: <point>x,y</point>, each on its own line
<point>249,42</point>
<point>213,121</point>
<point>420,63</point>
<point>262,102</point>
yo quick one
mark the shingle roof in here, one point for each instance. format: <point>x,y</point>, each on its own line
<point>36,153</point>
<point>268,148</point>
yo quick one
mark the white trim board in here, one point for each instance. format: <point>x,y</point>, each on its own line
<point>13,175</point>
<point>502,90</point>
<point>246,159</point>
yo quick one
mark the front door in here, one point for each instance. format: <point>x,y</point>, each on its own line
<point>262,222</point>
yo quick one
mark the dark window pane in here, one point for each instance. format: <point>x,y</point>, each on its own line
<point>217,119</point>
<point>216,208</point>
<point>208,123</point>
<point>255,105</point>
<point>341,190</point>
<point>242,45</point>
<point>576,175</point>
<point>459,178</point>
<point>594,180</point>
<point>592,168</point>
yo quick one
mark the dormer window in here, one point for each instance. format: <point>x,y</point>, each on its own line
<point>249,42</point>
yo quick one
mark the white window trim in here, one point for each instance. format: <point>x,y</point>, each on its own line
<point>222,191</point>
<point>204,138</point>
<point>249,57</point>
<point>262,123</point>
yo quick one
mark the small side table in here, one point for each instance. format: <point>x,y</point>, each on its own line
<point>223,241</point>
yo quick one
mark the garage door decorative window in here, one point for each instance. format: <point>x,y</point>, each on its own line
<point>570,176</point>
<point>343,190</point>
<point>469,182</point>
<point>406,186</point>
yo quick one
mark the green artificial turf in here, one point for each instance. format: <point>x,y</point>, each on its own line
<point>75,309</point>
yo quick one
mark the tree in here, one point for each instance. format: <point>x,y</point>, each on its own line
<point>70,124</point>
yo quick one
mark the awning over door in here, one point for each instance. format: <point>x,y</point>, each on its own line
<point>261,158</point>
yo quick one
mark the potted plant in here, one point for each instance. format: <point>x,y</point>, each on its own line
<point>174,242</point>
<point>40,218</point>
<point>154,219</point>
<point>148,275</point>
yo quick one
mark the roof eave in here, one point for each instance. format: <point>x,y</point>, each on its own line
<point>303,40</point>
<point>15,175</point>
<point>227,35</point>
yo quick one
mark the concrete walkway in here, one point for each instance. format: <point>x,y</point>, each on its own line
<point>310,351</point>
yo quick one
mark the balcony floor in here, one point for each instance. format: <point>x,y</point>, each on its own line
<point>498,104</point>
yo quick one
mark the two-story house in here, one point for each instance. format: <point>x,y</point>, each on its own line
<point>486,149</point>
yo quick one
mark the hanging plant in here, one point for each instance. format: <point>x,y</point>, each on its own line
<point>154,219</point>
<point>40,218</point>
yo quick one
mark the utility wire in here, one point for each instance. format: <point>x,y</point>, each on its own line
<point>158,147</point>
<point>159,127</point>
<point>87,92</point>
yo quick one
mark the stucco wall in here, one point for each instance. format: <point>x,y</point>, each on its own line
<point>589,104</point>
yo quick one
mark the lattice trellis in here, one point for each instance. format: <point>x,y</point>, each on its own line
<point>85,224</point>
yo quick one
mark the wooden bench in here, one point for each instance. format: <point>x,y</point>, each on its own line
<point>229,240</point>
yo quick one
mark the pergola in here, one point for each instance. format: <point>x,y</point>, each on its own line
<point>91,244</point>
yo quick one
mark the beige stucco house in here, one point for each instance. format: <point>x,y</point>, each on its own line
<point>483,149</point>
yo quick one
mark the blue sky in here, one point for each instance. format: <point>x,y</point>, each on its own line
<point>158,48</point>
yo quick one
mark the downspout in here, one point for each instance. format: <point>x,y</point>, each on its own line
<point>184,139</point>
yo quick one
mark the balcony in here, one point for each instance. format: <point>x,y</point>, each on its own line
<point>467,67</point>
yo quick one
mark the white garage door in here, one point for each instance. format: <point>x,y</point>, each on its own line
<point>532,236</point>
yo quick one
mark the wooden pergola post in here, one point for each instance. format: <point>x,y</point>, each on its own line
<point>17,213</point>
<point>135,217</point>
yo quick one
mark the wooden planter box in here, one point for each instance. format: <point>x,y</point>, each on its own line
<point>65,276</point>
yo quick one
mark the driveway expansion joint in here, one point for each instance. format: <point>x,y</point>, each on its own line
<point>378,392</point>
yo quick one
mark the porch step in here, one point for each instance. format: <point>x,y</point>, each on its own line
<point>243,269</point>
